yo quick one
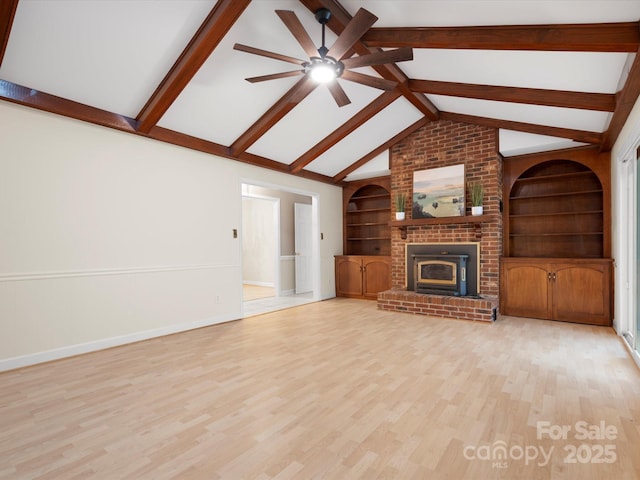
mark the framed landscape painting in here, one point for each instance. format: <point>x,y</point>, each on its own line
<point>438,192</point>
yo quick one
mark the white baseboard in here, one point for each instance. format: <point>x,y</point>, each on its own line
<point>259,284</point>
<point>79,349</point>
<point>634,354</point>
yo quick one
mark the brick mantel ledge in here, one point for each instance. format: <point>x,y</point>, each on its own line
<point>464,308</point>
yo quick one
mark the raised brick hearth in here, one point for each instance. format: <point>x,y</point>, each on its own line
<point>465,308</point>
<point>440,144</point>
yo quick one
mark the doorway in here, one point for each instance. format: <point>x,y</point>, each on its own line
<point>271,240</point>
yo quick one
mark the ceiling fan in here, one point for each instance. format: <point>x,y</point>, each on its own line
<point>325,65</point>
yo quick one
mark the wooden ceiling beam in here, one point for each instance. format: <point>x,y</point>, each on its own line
<point>359,119</point>
<point>602,102</point>
<point>205,146</point>
<point>627,98</point>
<point>576,135</point>
<point>29,97</point>
<point>7,14</point>
<point>385,146</point>
<point>209,35</point>
<point>339,20</point>
<point>592,37</point>
<point>272,116</point>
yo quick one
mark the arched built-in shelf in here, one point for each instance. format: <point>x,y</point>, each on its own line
<point>366,217</point>
<point>556,209</point>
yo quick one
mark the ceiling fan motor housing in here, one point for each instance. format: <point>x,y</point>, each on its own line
<point>323,15</point>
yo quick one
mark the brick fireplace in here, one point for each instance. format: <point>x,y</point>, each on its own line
<point>440,144</point>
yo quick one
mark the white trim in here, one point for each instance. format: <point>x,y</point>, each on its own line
<point>79,349</point>
<point>634,354</point>
<point>259,284</point>
<point>24,276</point>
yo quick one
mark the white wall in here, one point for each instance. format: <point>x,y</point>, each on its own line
<point>107,237</point>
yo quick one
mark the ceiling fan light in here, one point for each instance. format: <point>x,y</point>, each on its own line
<point>323,72</point>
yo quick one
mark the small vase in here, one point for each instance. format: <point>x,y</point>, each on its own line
<point>399,215</point>
<point>476,210</point>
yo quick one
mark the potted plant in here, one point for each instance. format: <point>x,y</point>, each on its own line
<point>401,200</point>
<point>476,190</point>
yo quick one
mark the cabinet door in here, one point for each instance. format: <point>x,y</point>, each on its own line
<point>349,276</point>
<point>526,290</point>
<point>376,275</point>
<point>581,293</point>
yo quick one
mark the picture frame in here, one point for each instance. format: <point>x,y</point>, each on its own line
<point>438,192</point>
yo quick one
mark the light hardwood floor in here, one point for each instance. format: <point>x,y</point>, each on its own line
<point>255,292</point>
<point>335,390</point>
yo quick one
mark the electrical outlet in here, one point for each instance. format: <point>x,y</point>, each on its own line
<point>217,298</point>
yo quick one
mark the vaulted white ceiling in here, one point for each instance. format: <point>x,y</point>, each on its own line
<point>114,54</point>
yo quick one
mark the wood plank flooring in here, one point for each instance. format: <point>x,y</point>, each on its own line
<point>331,390</point>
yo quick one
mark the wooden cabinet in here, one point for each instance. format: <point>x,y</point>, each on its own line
<point>361,276</point>
<point>575,290</point>
<point>366,215</point>
<point>557,237</point>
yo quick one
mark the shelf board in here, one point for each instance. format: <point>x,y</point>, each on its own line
<point>368,224</point>
<point>364,210</point>
<point>586,212</point>
<point>549,195</point>
<point>362,239</point>
<point>555,175</point>
<point>466,219</point>
<point>365,197</point>
<point>476,220</point>
<point>563,234</point>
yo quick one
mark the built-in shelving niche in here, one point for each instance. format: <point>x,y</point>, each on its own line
<point>556,210</point>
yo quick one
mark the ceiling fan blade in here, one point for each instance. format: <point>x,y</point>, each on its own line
<point>359,24</point>
<point>377,58</point>
<point>274,76</point>
<point>297,30</point>
<point>338,93</point>
<point>368,80</point>
<point>264,53</point>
